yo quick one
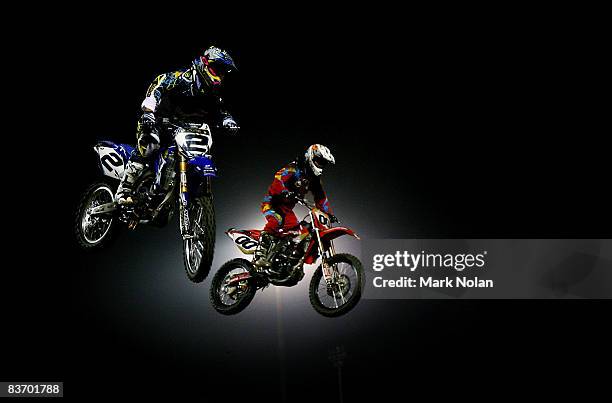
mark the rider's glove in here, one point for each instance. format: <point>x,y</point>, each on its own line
<point>230,125</point>
<point>333,219</point>
<point>148,125</point>
<point>147,121</point>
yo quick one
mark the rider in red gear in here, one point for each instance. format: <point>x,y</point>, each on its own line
<point>277,206</point>
<point>294,180</point>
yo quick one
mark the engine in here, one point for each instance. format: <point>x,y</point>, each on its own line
<point>286,264</point>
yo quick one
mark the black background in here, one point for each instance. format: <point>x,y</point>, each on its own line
<point>460,129</point>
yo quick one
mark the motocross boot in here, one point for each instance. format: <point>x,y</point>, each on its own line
<point>133,171</point>
<point>266,242</point>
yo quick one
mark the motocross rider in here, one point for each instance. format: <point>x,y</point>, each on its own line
<point>190,93</point>
<point>295,179</point>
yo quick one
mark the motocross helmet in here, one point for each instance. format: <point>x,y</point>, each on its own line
<point>317,157</point>
<point>213,65</point>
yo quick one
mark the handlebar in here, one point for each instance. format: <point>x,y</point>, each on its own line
<point>176,123</point>
<point>183,125</point>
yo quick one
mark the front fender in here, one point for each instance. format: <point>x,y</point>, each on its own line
<point>326,236</point>
<point>333,233</point>
<point>203,166</point>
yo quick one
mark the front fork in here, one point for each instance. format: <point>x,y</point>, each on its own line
<point>325,255</point>
<point>184,196</point>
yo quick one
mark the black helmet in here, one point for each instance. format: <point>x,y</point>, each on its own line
<point>213,65</point>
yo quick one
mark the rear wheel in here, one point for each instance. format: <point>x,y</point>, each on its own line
<point>199,250</point>
<point>229,299</point>
<point>93,232</point>
<point>344,292</point>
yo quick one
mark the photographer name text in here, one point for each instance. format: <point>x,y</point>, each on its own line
<point>411,262</point>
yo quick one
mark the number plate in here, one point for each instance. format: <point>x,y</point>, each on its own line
<point>112,163</point>
<point>194,144</point>
<point>244,242</point>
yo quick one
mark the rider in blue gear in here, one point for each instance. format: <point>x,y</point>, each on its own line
<point>190,94</point>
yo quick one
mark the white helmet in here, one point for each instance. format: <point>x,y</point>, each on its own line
<point>318,156</point>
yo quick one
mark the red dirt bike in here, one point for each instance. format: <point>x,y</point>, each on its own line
<point>336,284</point>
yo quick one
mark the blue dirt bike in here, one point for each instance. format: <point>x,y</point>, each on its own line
<point>181,175</point>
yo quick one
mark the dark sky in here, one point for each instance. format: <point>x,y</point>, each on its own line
<point>437,131</point>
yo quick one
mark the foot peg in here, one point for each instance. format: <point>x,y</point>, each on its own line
<point>262,263</point>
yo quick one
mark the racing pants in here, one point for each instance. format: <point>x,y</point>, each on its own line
<point>279,216</point>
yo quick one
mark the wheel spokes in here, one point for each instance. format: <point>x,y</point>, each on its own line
<point>95,228</point>
<point>343,277</point>
<point>194,246</point>
<point>196,252</point>
<point>226,298</point>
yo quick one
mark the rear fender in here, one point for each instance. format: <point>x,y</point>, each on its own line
<point>112,158</point>
<point>245,240</point>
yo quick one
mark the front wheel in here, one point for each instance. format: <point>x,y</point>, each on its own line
<point>94,232</point>
<point>230,297</point>
<point>344,291</point>
<point>199,248</point>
